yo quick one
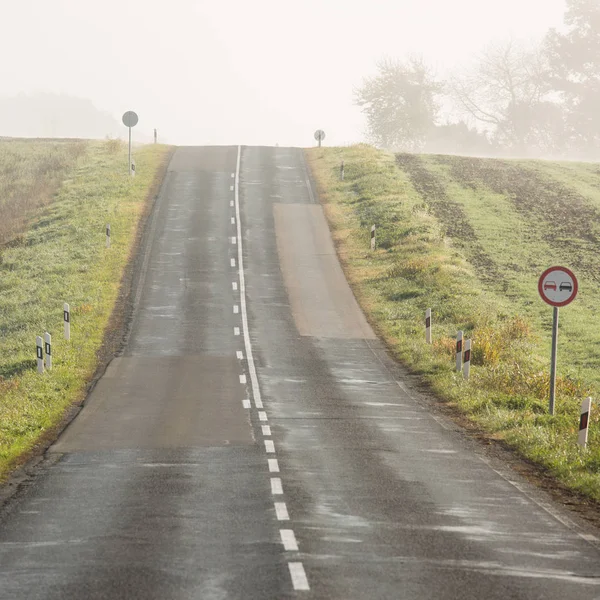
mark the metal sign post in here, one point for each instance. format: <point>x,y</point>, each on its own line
<point>130,119</point>
<point>319,136</point>
<point>558,287</point>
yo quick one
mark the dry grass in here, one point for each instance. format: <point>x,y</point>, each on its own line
<point>30,174</point>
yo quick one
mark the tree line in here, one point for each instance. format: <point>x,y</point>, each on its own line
<point>520,100</point>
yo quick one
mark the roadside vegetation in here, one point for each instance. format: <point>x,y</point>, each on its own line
<point>469,238</point>
<point>55,200</point>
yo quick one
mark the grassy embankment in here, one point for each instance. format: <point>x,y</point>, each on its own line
<point>469,238</point>
<point>56,198</point>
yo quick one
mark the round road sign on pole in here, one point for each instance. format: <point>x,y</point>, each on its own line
<point>319,135</point>
<point>130,119</point>
<point>558,286</point>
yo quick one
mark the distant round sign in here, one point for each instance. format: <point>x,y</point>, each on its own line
<point>558,286</point>
<point>130,119</point>
<point>319,135</point>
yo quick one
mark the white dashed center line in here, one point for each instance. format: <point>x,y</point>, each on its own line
<point>288,539</point>
<point>298,575</point>
<point>239,354</point>
<point>236,331</point>
<point>232,262</point>
<point>276,488</point>
<point>246,403</point>
<point>242,379</point>
<point>236,309</point>
<point>281,511</point>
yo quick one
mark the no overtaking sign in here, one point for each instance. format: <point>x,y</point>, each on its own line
<point>558,286</point>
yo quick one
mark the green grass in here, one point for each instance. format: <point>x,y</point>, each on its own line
<point>469,239</point>
<point>61,257</point>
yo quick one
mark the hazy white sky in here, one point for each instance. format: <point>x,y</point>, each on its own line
<point>243,71</point>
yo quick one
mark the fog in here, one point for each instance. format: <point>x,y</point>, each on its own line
<point>260,72</point>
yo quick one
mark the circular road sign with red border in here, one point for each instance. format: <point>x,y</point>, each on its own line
<point>558,286</point>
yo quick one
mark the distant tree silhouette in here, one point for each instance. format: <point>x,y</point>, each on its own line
<point>400,104</point>
<point>54,115</point>
<point>574,58</point>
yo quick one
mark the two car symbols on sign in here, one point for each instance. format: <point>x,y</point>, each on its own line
<point>563,286</point>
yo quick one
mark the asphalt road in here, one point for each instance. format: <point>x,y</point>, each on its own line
<point>254,440</point>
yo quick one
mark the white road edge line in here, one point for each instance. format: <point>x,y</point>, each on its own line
<point>288,539</point>
<point>247,343</point>
<point>299,580</point>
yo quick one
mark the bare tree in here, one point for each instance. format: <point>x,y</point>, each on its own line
<point>507,91</point>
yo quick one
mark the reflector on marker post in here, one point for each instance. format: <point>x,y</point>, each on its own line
<point>428,326</point>
<point>67,318</point>
<point>108,235</point>
<point>459,351</point>
<point>39,353</point>
<point>467,360</point>
<point>584,422</point>
<point>373,237</point>
<point>48,350</point>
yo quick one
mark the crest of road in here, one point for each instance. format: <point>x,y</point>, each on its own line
<point>254,440</point>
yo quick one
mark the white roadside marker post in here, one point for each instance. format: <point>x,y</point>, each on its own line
<point>67,318</point>
<point>459,351</point>
<point>584,421</point>
<point>342,171</point>
<point>48,350</point>
<point>373,242</point>
<point>428,326</point>
<point>467,360</point>
<point>40,354</point>
<point>108,235</point>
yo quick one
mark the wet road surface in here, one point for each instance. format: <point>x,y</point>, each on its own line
<point>255,441</point>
